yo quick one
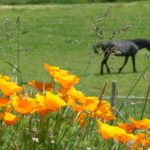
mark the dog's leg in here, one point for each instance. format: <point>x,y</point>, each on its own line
<point>106,56</point>
<point>125,62</point>
<point>133,62</point>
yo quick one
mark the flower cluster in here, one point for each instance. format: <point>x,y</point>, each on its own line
<point>134,135</point>
<point>17,102</point>
<point>49,98</point>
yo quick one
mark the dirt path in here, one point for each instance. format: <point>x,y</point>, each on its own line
<point>29,6</point>
<point>49,6</point>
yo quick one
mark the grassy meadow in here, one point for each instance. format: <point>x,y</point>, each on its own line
<point>63,35</point>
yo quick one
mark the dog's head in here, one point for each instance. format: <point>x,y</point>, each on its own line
<point>96,47</point>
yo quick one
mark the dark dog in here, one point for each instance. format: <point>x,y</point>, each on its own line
<point>124,48</point>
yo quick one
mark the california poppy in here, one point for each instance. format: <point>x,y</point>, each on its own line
<point>108,131</point>
<point>141,124</point>
<point>127,127</point>
<point>40,86</point>
<point>63,77</point>
<point>8,88</point>
<point>53,102</point>
<point>41,106</point>
<point>9,118</point>
<point>4,101</point>
<point>24,104</point>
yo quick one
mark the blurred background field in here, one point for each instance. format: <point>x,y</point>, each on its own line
<point>62,35</point>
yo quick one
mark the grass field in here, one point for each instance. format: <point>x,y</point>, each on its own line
<point>62,35</point>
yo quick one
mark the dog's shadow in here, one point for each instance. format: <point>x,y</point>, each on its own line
<point>108,74</point>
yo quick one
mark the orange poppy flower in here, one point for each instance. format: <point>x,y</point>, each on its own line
<point>141,124</point>
<point>89,103</point>
<point>9,118</point>
<point>62,77</point>
<point>104,111</point>
<point>83,103</point>
<point>146,142</point>
<point>127,127</point>
<point>8,88</point>
<point>140,138</point>
<point>71,93</point>
<point>66,81</point>
<point>53,102</point>
<point>40,86</point>
<point>73,97</point>
<point>54,69</point>
<point>74,93</point>
<point>75,105</point>
<point>4,101</point>
<point>108,131</point>
<point>24,104</point>
<point>41,107</point>
<point>80,102</point>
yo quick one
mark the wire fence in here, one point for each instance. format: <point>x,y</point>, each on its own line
<point>130,97</point>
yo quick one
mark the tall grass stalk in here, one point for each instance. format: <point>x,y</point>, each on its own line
<point>18,48</point>
<point>146,100</point>
<point>137,81</point>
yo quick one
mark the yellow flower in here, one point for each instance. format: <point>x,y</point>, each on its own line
<point>41,106</point>
<point>9,118</point>
<point>71,93</point>
<point>24,104</point>
<point>141,124</point>
<point>90,103</point>
<point>84,103</point>
<point>53,70</point>
<point>104,111</point>
<point>8,88</point>
<point>75,105</point>
<point>108,131</point>
<point>49,103</point>
<point>74,93</point>
<point>65,79</point>
<point>53,102</point>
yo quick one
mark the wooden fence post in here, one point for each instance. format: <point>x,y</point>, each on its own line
<point>114,93</point>
<point>113,97</point>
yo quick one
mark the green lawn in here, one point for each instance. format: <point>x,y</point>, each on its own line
<point>63,35</point>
